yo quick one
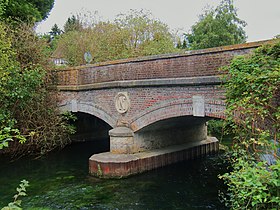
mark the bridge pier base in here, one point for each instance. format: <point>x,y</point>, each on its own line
<point>121,140</point>
<point>115,165</point>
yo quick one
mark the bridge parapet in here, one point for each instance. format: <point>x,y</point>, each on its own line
<point>197,63</point>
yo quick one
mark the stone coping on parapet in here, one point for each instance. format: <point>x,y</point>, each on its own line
<point>174,55</point>
<point>185,81</point>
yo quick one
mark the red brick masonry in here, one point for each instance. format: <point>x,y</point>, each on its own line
<point>195,63</point>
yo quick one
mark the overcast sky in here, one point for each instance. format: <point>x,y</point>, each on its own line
<point>262,16</point>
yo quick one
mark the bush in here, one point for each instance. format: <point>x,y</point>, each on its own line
<point>21,191</point>
<point>216,128</point>
<point>28,109</point>
<point>253,111</point>
<point>253,185</point>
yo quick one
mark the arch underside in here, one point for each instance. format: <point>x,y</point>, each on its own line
<point>91,109</point>
<point>213,109</point>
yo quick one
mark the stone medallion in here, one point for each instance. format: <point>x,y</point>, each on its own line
<point>122,102</point>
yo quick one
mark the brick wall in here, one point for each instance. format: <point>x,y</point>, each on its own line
<point>189,64</point>
<point>148,104</point>
<point>159,87</point>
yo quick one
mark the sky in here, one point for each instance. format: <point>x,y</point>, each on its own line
<point>262,16</point>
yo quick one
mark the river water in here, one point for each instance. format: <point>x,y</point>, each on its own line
<point>61,181</point>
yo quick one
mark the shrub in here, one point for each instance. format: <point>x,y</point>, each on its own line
<point>28,110</point>
<point>253,99</point>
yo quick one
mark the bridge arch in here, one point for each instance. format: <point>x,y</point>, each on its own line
<point>89,108</point>
<point>167,110</point>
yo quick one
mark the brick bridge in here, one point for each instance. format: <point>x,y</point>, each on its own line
<point>157,106</point>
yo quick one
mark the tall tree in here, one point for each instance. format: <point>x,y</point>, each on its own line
<point>217,27</point>
<point>73,24</point>
<point>27,10</point>
<point>145,34</point>
<point>131,35</point>
<point>55,31</point>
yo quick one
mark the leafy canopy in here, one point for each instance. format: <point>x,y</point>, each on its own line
<point>73,24</point>
<point>26,10</point>
<point>217,27</point>
<point>133,34</point>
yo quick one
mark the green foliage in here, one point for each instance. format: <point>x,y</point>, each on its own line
<point>3,5</point>
<point>145,35</point>
<point>73,24</point>
<point>67,122</point>
<point>21,191</point>
<point>132,35</point>
<point>253,185</point>
<point>253,112</point>
<point>55,31</point>
<point>8,134</point>
<point>216,128</point>
<point>17,89</point>
<point>253,96</point>
<point>217,27</point>
<point>28,110</point>
<point>28,47</point>
<point>5,48</point>
<point>30,11</point>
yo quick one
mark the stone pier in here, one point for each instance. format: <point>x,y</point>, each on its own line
<point>112,165</point>
<point>156,145</point>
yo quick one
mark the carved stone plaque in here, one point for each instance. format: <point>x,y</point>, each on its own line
<point>198,106</point>
<point>122,102</point>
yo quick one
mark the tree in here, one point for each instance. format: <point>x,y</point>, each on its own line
<point>145,35</point>
<point>217,27</point>
<point>73,24</point>
<point>55,31</point>
<point>131,35</point>
<point>27,10</point>
<point>28,111</point>
<point>105,42</point>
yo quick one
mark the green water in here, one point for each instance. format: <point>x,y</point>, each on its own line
<point>61,181</point>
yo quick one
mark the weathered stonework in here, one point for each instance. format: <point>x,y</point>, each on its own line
<point>109,165</point>
<point>166,135</point>
<point>121,140</point>
<point>159,87</point>
<point>122,102</point>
